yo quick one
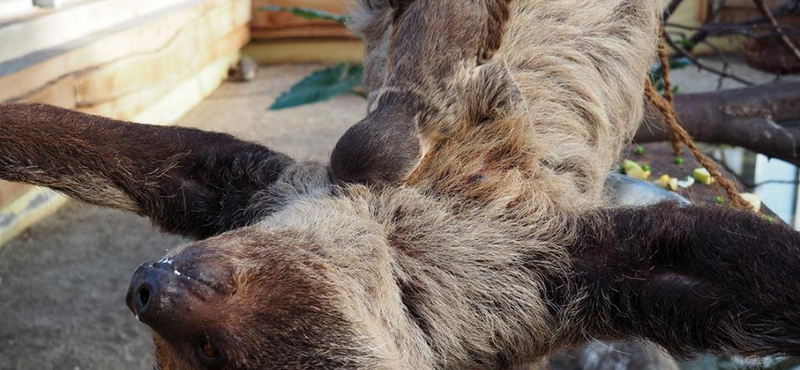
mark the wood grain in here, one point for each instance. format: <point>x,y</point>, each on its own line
<point>147,34</point>
<point>269,25</point>
<point>152,70</point>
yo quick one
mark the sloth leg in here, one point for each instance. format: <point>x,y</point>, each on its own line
<point>438,76</point>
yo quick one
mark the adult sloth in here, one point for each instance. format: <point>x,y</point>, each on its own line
<point>461,225</point>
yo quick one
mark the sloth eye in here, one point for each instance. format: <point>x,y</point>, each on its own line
<point>208,350</point>
<point>209,354</point>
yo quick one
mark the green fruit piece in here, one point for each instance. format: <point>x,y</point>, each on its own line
<point>719,200</point>
<point>629,164</point>
<point>678,161</point>
<point>770,219</point>
<point>645,167</point>
<point>702,176</point>
<point>637,172</point>
<point>639,150</point>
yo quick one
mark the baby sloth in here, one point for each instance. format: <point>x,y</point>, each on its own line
<point>460,226</point>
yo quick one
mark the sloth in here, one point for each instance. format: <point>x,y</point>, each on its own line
<point>461,225</point>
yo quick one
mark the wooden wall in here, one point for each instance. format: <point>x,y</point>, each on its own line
<point>281,25</point>
<point>151,68</point>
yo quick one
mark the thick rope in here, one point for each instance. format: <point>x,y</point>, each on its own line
<point>679,135</point>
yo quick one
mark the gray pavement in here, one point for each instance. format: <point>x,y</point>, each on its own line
<point>62,283</point>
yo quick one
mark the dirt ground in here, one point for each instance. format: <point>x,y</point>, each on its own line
<point>62,283</point>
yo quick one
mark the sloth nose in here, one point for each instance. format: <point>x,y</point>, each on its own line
<point>165,299</point>
<point>147,284</point>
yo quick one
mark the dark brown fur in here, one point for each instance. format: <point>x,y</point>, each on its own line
<point>187,181</point>
<point>720,266</point>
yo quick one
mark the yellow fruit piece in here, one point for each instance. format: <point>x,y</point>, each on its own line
<point>667,182</point>
<point>673,184</point>
<point>637,172</point>
<point>753,200</point>
<point>629,165</point>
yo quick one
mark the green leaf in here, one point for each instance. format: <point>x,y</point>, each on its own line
<point>306,13</point>
<point>322,85</point>
<point>679,63</point>
<point>685,43</point>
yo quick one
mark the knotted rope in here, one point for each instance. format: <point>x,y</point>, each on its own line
<point>678,135</point>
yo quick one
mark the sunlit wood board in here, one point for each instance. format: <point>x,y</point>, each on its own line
<point>268,25</point>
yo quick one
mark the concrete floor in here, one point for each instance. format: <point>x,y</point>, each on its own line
<point>63,283</point>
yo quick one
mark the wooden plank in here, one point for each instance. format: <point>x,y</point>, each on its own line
<point>53,28</point>
<point>55,3</point>
<point>153,71</point>
<point>178,101</point>
<point>276,25</point>
<point>268,19</point>
<point>10,8</point>
<point>334,32</point>
<point>10,191</point>
<point>34,205</point>
<point>305,51</point>
<point>130,105</point>
<point>180,56</point>
<point>60,93</point>
<point>146,34</point>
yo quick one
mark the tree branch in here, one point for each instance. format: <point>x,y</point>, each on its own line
<point>756,118</point>
<point>671,8</point>
<point>685,53</point>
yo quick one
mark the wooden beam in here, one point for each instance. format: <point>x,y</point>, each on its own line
<point>305,51</point>
<point>153,70</point>
<point>269,25</point>
<point>194,46</point>
<point>24,211</point>
<point>51,28</point>
<point>146,34</point>
<point>131,105</point>
<point>13,7</point>
<point>10,191</point>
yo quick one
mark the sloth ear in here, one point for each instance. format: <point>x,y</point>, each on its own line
<point>691,278</point>
<point>187,181</point>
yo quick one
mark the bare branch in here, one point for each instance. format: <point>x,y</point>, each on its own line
<point>750,117</point>
<point>685,53</point>
<point>671,8</point>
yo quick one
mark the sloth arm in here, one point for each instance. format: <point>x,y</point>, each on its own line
<point>692,278</point>
<point>187,181</point>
